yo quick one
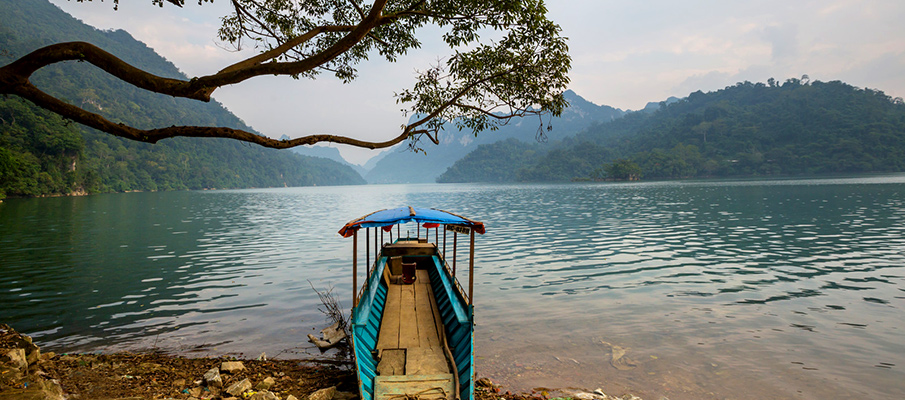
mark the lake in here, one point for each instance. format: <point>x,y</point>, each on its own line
<point>743,289</point>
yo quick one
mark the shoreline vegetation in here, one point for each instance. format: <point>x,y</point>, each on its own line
<point>26,373</point>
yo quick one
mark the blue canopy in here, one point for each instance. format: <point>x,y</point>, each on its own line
<point>402,215</point>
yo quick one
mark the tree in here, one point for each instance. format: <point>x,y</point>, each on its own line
<point>623,170</point>
<point>479,87</point>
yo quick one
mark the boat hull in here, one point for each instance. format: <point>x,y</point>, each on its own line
<point>456,315</point>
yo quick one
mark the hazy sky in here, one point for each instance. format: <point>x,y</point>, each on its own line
<point>625,54</point>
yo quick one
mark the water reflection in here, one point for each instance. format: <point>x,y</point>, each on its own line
<point>716,289</point>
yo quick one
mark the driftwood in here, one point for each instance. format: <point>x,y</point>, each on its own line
<point>330,337</point>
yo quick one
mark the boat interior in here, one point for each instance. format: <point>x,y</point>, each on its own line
<point>411,350</point>
<point>413,324</point>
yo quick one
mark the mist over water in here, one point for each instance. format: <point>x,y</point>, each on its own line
<point>741,289</point>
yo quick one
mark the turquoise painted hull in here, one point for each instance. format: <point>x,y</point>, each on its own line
<point>456,313</point>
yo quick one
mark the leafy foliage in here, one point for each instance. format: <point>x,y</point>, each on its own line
<point>481,86</point>
<point>41,154</point>
<point>620,170</point>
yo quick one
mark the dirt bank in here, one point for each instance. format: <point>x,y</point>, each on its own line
<point>28,374</point>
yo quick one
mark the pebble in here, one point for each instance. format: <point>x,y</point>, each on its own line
<point>264,395</point>
<point>231,366</point>
<point>236,389</point>
<point>266,384</point>
<point>212,377</point>
<point>15,358</point>
<point>323,394</point>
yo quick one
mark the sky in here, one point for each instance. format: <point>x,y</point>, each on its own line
<point>624,54</point>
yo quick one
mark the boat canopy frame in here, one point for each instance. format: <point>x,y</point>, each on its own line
<point>430,217</point>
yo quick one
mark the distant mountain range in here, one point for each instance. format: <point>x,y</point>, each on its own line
<point>404,166</point>
<point>749,129</point>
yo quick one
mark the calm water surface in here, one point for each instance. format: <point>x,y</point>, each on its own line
<point>724,289</point>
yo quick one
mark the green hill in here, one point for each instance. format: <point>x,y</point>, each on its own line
<point>749,129</point>
<point>41,154</point>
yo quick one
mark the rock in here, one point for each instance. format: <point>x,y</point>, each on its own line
<point>231,366</point>
<point>10,375</point>
<point>179,383</point>
<point>264,395</point>
<point>323,394</point>
<point>236,389</point>
<point>291,397</point>
<point>49,355</point>
<point>41,390</point>
<point>266,384</point>
<point>483,382</point>
<point>344,396</point>
<point>195,392</point>
<point>32,355</point>
<point>14,358</point>
<point>212,378</point>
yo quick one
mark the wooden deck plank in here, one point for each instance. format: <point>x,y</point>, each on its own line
<point>392,362</point>
<point>426,361</point>
<point>409,332</point>
<point>427,329</point>
<point>388,338</point>
<point>408,329</point>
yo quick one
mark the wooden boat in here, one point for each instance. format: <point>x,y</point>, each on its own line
<point>412,323</point>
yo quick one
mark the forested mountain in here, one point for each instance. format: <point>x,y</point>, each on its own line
<point>750,129</point>
<point>41,154</point>
<point>405,166</point>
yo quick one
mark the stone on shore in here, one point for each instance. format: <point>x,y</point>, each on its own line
<point>236,389</point>
<point>15,358</point>
<point>323,394</point>
<point>264,395</point>
<point>231,366</point>
<point>484,382</point>
<point>266,384</point>
<point>212,378</point>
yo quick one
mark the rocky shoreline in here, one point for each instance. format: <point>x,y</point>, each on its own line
<point>28,374</point>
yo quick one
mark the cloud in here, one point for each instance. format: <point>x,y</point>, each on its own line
<point>784,41</point>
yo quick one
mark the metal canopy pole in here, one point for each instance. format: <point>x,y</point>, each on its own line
<point>471,270</point>
<point>455,244</point>
<point>444,243</point>
<point>367,251</point>
<point>355,268</point>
